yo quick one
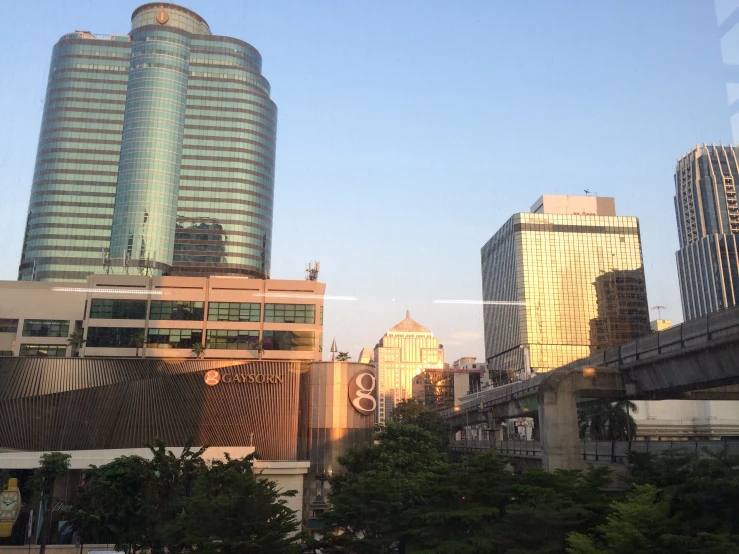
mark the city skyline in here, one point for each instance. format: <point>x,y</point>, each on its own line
<point>331,162</point>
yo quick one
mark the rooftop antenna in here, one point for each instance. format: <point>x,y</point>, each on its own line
<point>311,272</point>
<point>587,192</point>
<point>659,310</point>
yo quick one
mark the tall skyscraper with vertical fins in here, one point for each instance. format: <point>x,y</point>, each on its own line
<point>707,214</point>
<point>156,155</point>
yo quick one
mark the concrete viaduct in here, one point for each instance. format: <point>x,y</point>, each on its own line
<point>696,360</point>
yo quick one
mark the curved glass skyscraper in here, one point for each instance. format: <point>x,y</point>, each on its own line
<point>156,155</point>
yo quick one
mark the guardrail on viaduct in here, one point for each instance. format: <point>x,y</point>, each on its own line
<point>599,451</point>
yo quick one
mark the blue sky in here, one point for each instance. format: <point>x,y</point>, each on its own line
<point>409,131</point>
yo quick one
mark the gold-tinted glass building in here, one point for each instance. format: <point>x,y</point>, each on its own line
<point>404,352</point>
<point>561,282</point>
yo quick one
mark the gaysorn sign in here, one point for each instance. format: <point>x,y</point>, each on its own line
<point>213,377</point>
<point>361,388</point>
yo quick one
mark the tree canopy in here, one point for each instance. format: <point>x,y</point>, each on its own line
<point>177,503</point>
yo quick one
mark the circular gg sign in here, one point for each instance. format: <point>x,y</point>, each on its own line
<point>212,378</point>
<point>361,388</point>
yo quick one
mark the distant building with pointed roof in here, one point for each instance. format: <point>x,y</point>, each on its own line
<point>404,352</point>
<point>366,356</point>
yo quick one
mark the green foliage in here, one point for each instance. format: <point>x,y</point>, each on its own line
<point>403,493</point>
<point>415,412</point>
<point>232,511</point>
<point>343,357</point>
<point>198,349</point>
<point>76,339</point>
<point>51,466</point>
<point>680,503</point>
<point>703,493</point>
<point>170,503</point>
<point>607,421</point>
<point>138,340</point>
<point>407,411</point>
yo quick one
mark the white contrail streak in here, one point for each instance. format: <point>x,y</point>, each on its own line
<point>482,302</point>
<point>301,295</point>
<point>108,291</point>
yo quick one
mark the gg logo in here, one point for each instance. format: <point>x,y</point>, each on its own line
<point>361,388</point>
<point>212,378</point>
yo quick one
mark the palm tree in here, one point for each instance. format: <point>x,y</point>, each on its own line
<point>343,357</point>
<point>198,349</point>
<point>76,341</point>
<point>605,420</point>
<point>138,340</point>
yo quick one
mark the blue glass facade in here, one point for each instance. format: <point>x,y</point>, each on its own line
<point>156,155</point>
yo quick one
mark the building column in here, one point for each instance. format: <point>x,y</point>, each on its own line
<point>558,394</point>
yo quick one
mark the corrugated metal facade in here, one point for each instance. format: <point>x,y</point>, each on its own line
<point>93,403</point>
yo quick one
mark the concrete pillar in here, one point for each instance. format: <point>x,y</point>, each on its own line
<point>558,394</point>
<point>560,438</point>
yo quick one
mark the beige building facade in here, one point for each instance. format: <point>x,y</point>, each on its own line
<point>405,351</point>
<point>164,317</point>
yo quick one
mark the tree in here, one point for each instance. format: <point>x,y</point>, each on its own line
<point>407,411</point>
<point>133,501</point>
<point>415,412</point>
<point>51,466</point>
<point>702,491</point>
<point>233,511</point>
<point>138,340</point>
<point>343,357</point>
<point>403,495</point>
<point>198,349</point>
<point>609,421</point>
<point>76,340</point>
<point>680,503</point>
<point>379,484</point>
<point>259,347</point>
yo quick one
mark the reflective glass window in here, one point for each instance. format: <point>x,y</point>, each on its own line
<point>290,313</point>
<point>233,311</point>
<point>117,309</point>
<point>289,340</point>
<point>174,338</point>
<point>44,350</point>
<point>45,328</point>
<point>181,311</point>
<point>232,339</point>
<point>113,337</point>
<point>8,325</point>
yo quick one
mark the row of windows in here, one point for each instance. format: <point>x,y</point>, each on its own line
<point>290,313</point>
<point>174,338</point>
<point>194,311</point>
<point>182,311</point>
<point>219,339</point>
<point>45,328</point>
<point>43,350</point>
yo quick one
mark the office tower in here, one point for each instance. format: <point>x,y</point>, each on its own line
<point>405,351</point>
<point>560,283</point>
<point>708,221</point>
<point>156,155</point>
